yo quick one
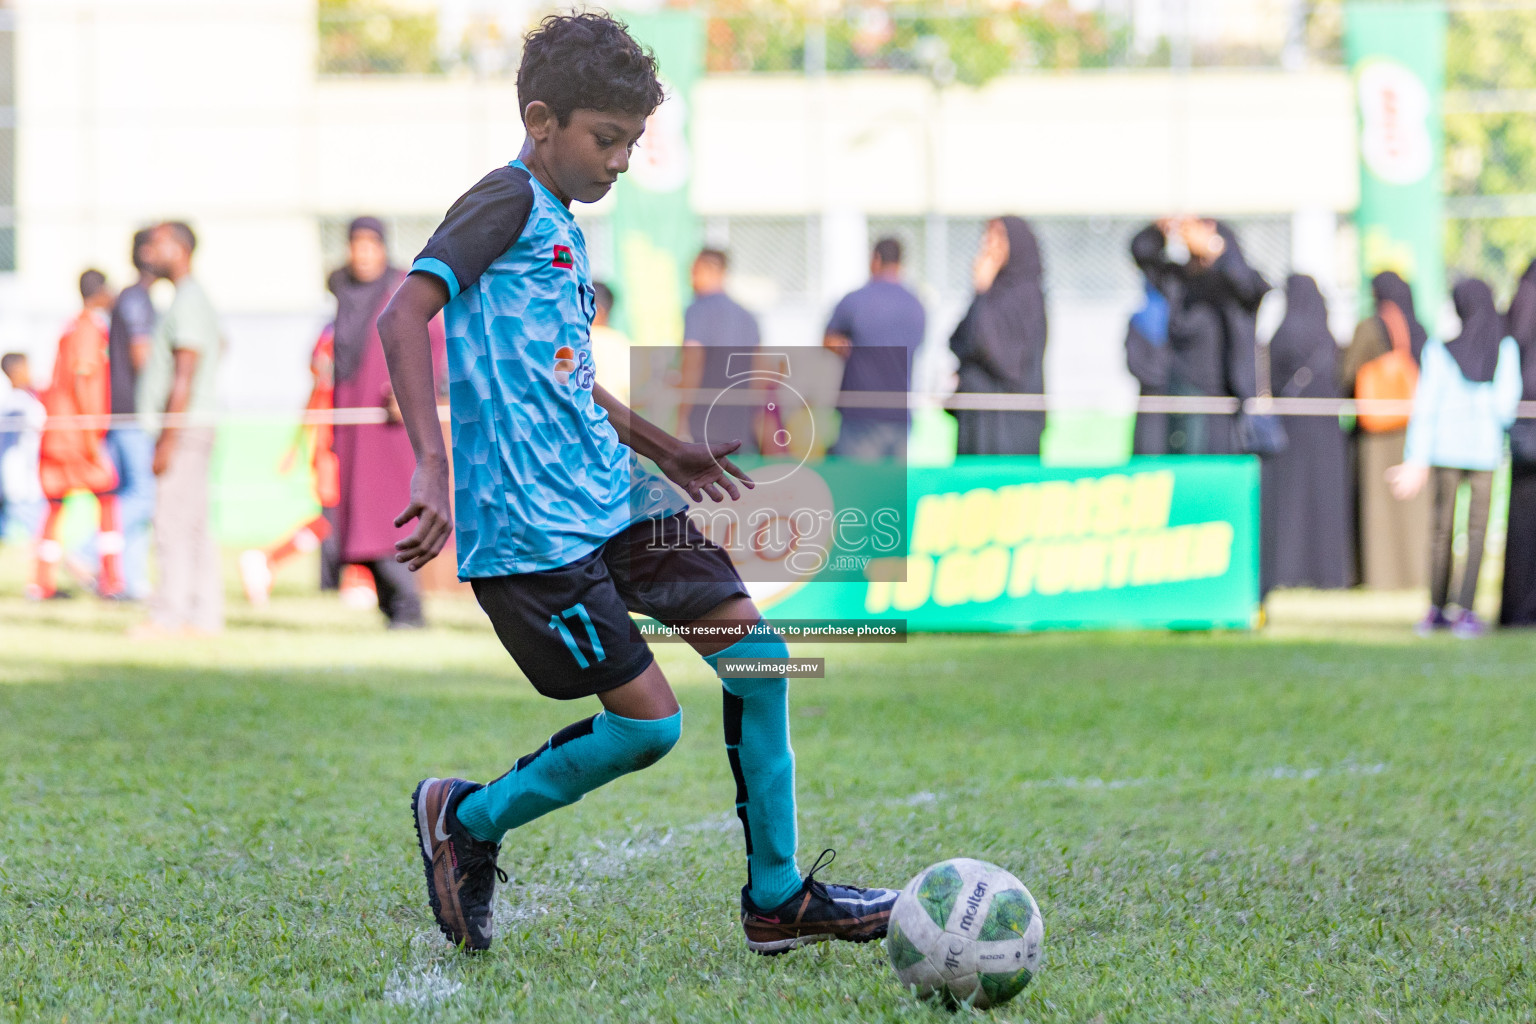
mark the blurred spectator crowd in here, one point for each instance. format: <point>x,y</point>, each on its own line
<point>128,415</point>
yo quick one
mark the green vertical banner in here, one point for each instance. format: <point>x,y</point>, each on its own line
<point>655,232</point>
<point>1396,53</point>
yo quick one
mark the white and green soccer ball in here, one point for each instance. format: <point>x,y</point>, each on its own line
<point>965,931</point>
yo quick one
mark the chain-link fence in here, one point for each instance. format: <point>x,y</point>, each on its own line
<point>407,235</point>
<point>777,257</point>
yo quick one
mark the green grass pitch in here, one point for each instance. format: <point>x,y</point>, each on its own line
<point>1330,821</point>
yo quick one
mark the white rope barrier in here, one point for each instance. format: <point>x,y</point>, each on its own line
<point>1186,404</point>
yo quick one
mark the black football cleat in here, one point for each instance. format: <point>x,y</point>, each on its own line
<point>817,913</point>
<point>461,870</point>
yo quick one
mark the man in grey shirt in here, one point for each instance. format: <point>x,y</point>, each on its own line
<point>877,330</point>
<point>130,448</point>
<point>714,327</point>
<point>180,377</point>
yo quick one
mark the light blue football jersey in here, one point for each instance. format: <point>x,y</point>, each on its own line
<point>540,477</point>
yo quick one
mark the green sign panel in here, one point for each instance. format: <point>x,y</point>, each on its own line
<point>655,231</point>
<point>1396,53</point>
<point>1000,544</point>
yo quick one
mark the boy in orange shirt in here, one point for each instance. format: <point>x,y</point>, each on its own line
<point>73,458</point>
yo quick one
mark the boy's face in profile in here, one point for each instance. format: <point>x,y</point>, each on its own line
<point>587,154</point>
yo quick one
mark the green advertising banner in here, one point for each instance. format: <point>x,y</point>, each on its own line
<point>1004,544</point>
<point>1396,53</point>
<point>655,232</point>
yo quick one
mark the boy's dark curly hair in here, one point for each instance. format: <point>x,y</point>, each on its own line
<point>587,60</point>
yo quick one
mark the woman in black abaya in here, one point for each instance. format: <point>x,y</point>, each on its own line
<point>1305,539</point>
<point>1519,604</point>
<point>1213,302</point>
<point>1147,354</point>
<point>1001,342</point>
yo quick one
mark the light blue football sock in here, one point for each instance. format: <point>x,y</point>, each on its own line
<point>757,743</point>
<point>570,764</point>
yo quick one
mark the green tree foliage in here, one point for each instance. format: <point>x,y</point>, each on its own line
<point>967,43</point>
<point>1490,141</point>
<point>363,37</point>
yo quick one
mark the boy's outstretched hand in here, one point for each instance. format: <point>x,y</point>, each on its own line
<point>701,469</point>
<point>432,508</point>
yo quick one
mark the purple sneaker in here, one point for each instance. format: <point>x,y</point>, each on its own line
<point>1468,626</point>
<point>1433,619</point>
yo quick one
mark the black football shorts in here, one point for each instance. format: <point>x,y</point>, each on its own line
<point>569,628</point>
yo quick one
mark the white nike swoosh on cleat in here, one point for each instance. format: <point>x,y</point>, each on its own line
<point>442,817</point>
<point>421,819</point>
<point>878,901</point>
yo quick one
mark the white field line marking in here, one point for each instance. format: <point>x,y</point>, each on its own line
<point>420,988</point>
<point>522,901</point>
<point>1090,782</point>
<point>424,976</point>
<point>1349,766</point>
<point>420,980</point>
<point>1346,767</point>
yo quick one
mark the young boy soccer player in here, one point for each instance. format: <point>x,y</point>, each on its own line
<point>559,529</point>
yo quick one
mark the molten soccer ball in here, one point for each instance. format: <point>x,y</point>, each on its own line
<point>965,931</point>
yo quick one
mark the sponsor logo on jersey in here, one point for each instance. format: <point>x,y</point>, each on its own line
<point>572,366</point>
<point>565,363</point>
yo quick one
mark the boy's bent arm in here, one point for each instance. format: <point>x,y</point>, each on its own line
<point>404,329</point>
<point>634,430</point>
<point>699,469</point>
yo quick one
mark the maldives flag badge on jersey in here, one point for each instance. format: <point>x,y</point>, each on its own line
<point>563,258</point>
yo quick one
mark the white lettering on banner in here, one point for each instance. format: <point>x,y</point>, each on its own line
<point>1394,122</point>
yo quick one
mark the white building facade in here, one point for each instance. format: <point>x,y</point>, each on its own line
<point>131,111</point>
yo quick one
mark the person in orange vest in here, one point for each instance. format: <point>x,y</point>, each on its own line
<point>73,457</point>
